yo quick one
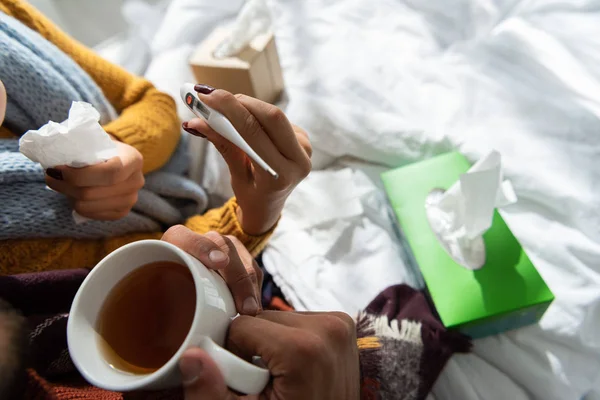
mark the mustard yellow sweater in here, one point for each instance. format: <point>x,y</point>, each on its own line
<point>148,121</point>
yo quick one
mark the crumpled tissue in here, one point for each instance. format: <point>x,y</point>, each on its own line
<point>77,142</point>
<point>253,19</point>
<point>461,215</point>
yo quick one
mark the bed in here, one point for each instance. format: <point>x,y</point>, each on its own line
<point>391,82</point>
<point>379,84</point>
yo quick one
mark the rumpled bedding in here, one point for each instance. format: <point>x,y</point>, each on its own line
<point>392,82</point>
<point>379,84</point>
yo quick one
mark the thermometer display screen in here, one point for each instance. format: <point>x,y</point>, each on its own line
<point>194,104</point>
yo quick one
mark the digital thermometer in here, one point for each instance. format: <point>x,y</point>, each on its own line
<point>220,124</point>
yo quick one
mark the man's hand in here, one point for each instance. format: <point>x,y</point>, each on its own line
<point>105,191</point>
<point>310,356</point>
<point>228,256</point>
<point>284,147</point>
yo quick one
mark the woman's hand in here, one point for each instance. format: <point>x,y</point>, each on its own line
<point>105,191</point>
<point>228,256</point>
<point>284,147</point>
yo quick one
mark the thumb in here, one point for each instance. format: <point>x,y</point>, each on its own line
<point>201,377</point>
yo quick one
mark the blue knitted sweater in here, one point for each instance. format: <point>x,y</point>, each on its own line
<point>41,83</point>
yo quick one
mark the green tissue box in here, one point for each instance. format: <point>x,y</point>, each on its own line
<point>505,294</point>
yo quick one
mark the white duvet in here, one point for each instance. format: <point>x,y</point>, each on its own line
<point>395,81</point>
<point>381,83</point>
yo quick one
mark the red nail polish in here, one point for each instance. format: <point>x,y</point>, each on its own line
<point>192,131</point>
<point>54,173</point>
<point>204,89</point>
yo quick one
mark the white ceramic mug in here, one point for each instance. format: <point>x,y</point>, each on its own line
<point>214,310</point>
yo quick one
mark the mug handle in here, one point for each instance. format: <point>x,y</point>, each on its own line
<point>239,374</point>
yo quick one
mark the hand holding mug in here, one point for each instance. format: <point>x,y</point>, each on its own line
<point>310,356</point>
<point>230,258</point>
<point>146,303</point>
<point>266,129</point>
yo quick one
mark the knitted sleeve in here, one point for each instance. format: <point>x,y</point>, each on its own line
<point>224,220</point>
<point>148,118</point>
<point>36,255</point>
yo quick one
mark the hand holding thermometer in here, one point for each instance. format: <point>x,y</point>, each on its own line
<point>220,124</point>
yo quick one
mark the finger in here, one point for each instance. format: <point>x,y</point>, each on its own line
<point>306,146</point>
<point>107,215</point>
<point>242,280</point>
<point>209,249</point>
<point>200,246</point>
<point>342,316</point>
<point>241,277</point>
<point>322,321</point>
<point>335,327</point>
<point>251,336</point>
<point>62,187</point>
<point>260,277</point>
<point>299,131</point>
<point>303,140</point>
<point>113,204</point>
<point>247,126</point>
<point>276,125</point>
<point>106,173</point>
<point>249,262</point>
<point>131,185</point>
<point>236,159</point>
<point>201,377</point>
<point>288,318</point>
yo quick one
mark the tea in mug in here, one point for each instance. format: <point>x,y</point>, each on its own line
<point>147,316</point>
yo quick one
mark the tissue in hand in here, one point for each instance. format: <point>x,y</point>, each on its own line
<point>463,213</point>
<point>77,142</point>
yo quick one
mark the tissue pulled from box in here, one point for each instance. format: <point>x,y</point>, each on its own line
<point>461,215</point>
<point>254,19</point>
<point>77,142</point>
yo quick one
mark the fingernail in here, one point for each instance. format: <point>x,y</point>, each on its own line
<point>250,306</point>
<point>54,173</point>
<point>191,369</point>
<point>192,131</point>
<point>217,256</point>
<point>204,89</point>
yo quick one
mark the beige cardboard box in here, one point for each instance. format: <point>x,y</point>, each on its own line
<point>255,71</point>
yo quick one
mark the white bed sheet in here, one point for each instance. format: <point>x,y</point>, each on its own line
<point>391,82</point>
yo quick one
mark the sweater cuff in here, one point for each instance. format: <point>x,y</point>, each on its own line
<point>224,220</point>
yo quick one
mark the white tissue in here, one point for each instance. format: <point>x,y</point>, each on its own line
<point>463,213</point>
<point>77,142</point>
<point>254,19</point>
